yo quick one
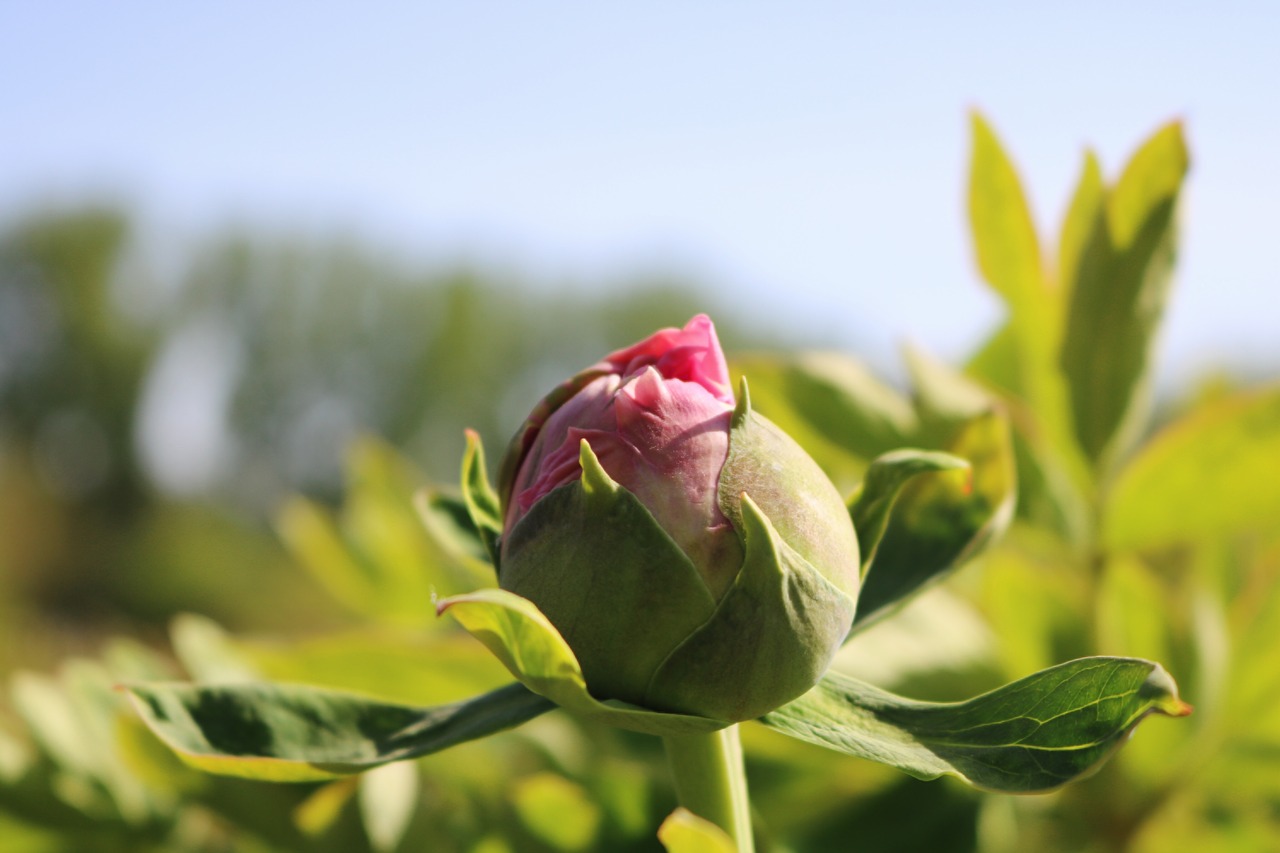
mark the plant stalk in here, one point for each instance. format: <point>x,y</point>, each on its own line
<point>711,781</point>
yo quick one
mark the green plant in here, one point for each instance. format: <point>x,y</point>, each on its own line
<point>918,514</point>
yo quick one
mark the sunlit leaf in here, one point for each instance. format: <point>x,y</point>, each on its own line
<point>415,668</point>
<point>534,651</point>
<point>1118,292</point>
<point>1004,235</point>
<point>1032,735</point>
<point>1210,475</point>
<point>685,832</point>
<point>557,811</point>
<point>208,652</point>
<point>479,496</point>
<point>1086,203</point>
<point>319,812</point>
<point>293,733</point>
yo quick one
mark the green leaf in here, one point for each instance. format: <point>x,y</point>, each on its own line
<point>534,651</point>
<point>448,523</point>
<point>557,811</point>
<point>1117,296</point>
<point>888,473</point>
<point>479,496</point>
<point>1082,214</point>
<point>1032,735</point>
<point>378,663</point>
<point>941,519</point>
<point>832,405</point>
<point>685,832</point>
<point>294,733</point>
<point>1210,475</point>
<point>373,555</point>
<point>1004,235</point>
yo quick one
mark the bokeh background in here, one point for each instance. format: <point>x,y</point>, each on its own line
<point>236,239</point>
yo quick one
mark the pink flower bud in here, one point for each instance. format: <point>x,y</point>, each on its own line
<point>651,583</point>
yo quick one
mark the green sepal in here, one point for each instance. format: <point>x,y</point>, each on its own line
<point>1035,734</point>
<point>479,496</point>
<point>870,505</point>
<point>790,489</point>
<point>526,642</point>
<point>741,408</point>
<point>603,571</point>
<point>797,619</point>
<point>296,733</point>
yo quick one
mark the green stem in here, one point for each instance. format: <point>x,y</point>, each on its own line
<point>711,781</point>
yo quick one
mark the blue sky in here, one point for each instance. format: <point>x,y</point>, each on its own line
<point>807,157</point>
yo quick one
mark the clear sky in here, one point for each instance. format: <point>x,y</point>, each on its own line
<point>809,157</point>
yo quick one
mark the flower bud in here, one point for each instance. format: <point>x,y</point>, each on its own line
<point>693,556</point>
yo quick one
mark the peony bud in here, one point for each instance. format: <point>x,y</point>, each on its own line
<point>695,559</point>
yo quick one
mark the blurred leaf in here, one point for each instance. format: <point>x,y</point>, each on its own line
<point>1034,598</point>
<point>15,757</point>
<point>311,534</point>
<point>1004,236</point>
<point>1209,475</point>
<point>685,832</point>
<point>996,362</point>
<point>557,811</point>
<point>831,404</point>
<point>1133,611</point>
<point>479,496</point>
<point>388,797</point>
<point>937,643</point>
<point>449,524</point>
<point>943,395</point>
<point>1077,227</point>
<point>883,483</point>
<point>533,651</point>
<point>375,556</point>
<point>942,519</point>
<point>320,811</point>
<point>1118,294</point>
<point>207,651</point>
<point>1032,735</point>
<point>292,733</point>
<point>1009,258</point>
<point>416,668</point>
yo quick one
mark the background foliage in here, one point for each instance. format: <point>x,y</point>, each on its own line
<point>1142,527</point>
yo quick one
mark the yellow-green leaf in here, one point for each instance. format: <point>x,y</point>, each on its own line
<point>685,832</point>
<point>534,651</point>
<point>1209,475</point>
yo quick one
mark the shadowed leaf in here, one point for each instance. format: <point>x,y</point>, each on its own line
<point>881,487</point>
<point>941,518</point>
<point>294,733</point>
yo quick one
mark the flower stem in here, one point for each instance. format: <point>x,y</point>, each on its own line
<point>711,781</point>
